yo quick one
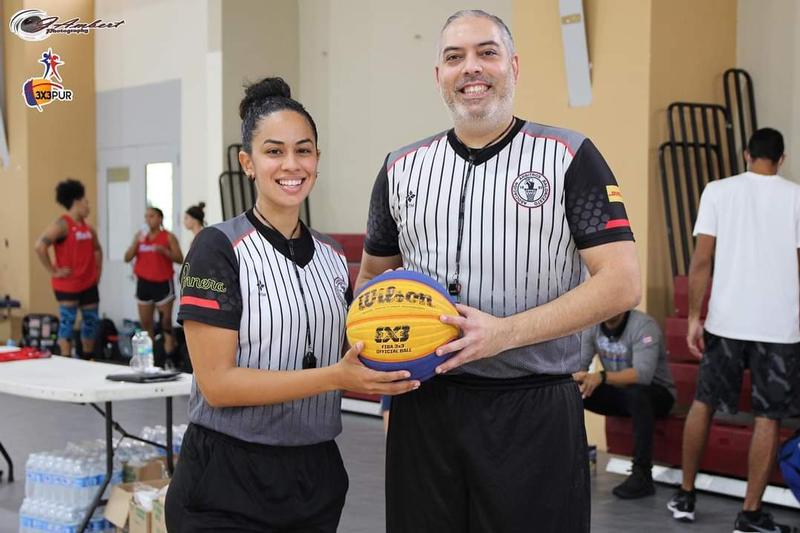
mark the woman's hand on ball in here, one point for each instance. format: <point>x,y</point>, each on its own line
<point>353,376</point>
<point>482,335</point>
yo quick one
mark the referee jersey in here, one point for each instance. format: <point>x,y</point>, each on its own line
<point>530,202</point>
<point>239,275</point>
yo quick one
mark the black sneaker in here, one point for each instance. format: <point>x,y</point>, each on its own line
<point>682,506</point>
<point>638,485</point>
<point>764,524</point>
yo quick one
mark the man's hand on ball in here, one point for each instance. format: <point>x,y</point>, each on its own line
<point>482,336</point>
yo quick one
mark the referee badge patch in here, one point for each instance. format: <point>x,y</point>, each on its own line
<point>530,189</point>
<point>341,289</point>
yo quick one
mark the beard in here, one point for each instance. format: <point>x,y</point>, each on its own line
<point>492,111</point>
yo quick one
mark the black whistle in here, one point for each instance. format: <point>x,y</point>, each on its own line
<point>309,361</point>
<point>454,288</point>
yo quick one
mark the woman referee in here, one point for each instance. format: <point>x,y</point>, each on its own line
<point>263,304</point>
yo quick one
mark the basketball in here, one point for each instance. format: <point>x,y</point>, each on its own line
<point>396,316</point>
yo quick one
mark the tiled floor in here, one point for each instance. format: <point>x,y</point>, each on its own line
<point>32,425</point>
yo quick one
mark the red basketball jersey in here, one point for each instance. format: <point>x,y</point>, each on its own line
<point>152,265</point>
<point>76,252</point>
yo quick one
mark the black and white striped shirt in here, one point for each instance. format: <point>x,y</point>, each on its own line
<point>531,201</point>
<point>239,275</point>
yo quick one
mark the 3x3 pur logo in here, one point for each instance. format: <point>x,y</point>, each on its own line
<point>39,92</point>
<point>391,294</point>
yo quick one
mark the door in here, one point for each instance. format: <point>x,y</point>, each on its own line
<point>130,179</point>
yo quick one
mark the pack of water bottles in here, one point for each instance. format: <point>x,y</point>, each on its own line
<point>159,434</point>
<point>60,485</point>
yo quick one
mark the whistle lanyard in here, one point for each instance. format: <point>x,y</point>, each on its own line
<point>454,287</point>
<point>309,359</point>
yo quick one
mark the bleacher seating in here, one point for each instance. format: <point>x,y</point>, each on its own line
<point>729,437</point>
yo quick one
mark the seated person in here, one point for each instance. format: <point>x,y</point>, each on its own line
<point>635,381</point>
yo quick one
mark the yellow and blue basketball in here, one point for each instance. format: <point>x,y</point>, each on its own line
<point>396,316</point>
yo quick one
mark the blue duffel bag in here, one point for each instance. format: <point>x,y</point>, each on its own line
<point>789,461</point>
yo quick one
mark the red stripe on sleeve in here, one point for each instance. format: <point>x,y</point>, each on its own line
<point>618,223</point>
<point>199,302</point>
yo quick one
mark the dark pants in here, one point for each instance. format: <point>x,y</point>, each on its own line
<point>643,403</point>
<point>473,455</point>
<point>223,484</point>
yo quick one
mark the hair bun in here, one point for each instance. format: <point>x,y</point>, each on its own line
<point>201,205</point>
<point>260,91</point>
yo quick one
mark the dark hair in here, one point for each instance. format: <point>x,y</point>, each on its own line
<point>766,143</point>
<point>68,191</point>
<point>264,98</point>
<point>156,210</point>
<point>197,213</point>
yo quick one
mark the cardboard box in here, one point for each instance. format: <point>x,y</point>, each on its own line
<point>121,509</point>
<point>153,469</point>
<point>158,522</point>
<point>138,519</point>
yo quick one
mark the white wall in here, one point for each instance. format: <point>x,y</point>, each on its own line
<point>172,40</point>
<point>259,39</point>
<point>768,46</point>
<point>363,69</point>
<point>366,76</point>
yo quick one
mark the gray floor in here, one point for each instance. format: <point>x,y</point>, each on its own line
<point>32,425</point>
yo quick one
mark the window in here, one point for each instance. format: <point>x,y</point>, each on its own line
<point>158,189</point>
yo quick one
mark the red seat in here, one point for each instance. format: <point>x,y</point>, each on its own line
<point>352,243</point>
<point>675,330</point>
<point>726,451</point>
<point>685,377</point>
<point>680,297</point>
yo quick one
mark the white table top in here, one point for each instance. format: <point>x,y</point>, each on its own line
<point>63,379</point>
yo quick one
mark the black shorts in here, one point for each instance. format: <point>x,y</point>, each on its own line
<point>774,371</point>
<point>223,484</point>
<point>495,455</point>
<point>84,298</point>
<point>154,292</point>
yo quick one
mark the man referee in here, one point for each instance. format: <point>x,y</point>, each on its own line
<point>509,215</point>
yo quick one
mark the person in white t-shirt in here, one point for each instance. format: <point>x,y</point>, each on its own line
<point>748,227</point>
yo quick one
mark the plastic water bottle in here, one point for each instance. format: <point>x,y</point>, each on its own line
<point>46,492</point>
<point>26,517</point>
<point>32,475</point>
<point>142,353</point>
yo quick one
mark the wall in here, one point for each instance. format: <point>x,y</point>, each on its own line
<point>768,47</point>
<point>259,39</point>
<point>45,148</point>
<point>164,40</point>
<point>366,75</point>
<point>697,39</point>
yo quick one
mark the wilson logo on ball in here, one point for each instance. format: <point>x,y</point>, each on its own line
<point>391,294</point>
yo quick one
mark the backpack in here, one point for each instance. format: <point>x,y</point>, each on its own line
<point>40,331</point>
<point>789,461</point>
<point>106,344</point>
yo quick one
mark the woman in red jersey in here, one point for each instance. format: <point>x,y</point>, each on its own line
<point>76,269</point>
<point>155,250</point>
